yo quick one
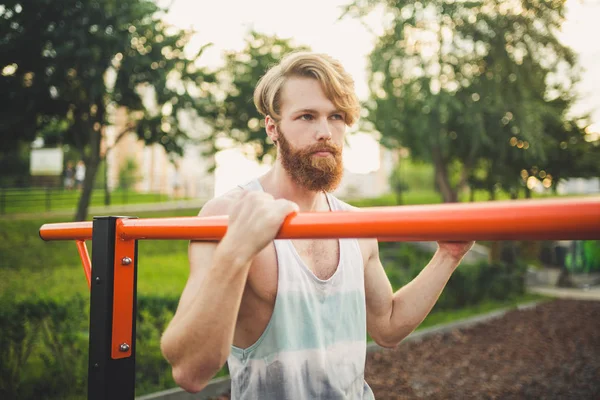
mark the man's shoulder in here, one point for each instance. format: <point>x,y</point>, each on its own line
<point>221,205</point>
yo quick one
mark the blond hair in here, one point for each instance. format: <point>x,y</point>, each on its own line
<point>337,84</point>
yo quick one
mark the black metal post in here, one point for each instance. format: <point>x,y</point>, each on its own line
<point>108,378</point>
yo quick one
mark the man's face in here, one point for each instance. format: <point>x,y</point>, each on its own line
<point>310,135</point>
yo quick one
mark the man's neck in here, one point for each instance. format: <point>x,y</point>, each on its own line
<point>279,184</point>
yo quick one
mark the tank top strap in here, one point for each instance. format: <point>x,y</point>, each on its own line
<point>253,185</point>
<point>336,204</point>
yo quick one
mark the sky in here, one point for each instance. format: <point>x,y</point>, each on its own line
<point>316,23</point>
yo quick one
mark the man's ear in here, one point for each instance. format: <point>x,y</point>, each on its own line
<point>271,128</point>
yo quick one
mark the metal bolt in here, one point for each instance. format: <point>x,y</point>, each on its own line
<point>126,261</point>
<point>124,348</point>
<point>97,280</point>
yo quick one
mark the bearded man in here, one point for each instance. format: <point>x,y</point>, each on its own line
<point>291,316</point>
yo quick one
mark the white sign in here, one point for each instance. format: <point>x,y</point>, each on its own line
<point>48,162</point>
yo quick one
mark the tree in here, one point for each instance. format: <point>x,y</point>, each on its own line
<point>455,82</point>
<point>78,63</point>
<point>235,118</point>
<point>570,150</point>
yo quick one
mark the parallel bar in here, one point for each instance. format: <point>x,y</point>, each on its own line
<point>108,378</point>
<point>556,219</point>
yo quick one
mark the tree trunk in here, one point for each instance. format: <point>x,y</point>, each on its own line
<point>494,253</point>
<point>106,191</point>
<point>88,185</point>
<point>449,195</point>
<point>91,169</point>
<point>399,183</point>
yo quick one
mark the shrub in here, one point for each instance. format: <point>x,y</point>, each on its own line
<point>43,348</point>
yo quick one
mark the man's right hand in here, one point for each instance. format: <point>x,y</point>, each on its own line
<point>254,222</point>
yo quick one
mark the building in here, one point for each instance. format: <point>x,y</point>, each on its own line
<point>157,172</point>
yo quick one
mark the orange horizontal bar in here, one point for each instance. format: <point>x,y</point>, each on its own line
<point>553,219</point>
<point>67,231</point>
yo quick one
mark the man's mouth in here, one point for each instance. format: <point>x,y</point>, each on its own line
<point>322,153</point>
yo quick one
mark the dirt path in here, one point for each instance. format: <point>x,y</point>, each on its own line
<point>550,352</point>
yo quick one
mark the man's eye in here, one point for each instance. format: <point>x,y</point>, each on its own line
<point>306,117</point>
<point>337,116</point>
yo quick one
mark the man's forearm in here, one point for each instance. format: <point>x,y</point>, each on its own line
<point>414,301</point>
<point>198,341</point>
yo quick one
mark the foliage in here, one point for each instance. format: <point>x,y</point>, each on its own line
<point>469,86</point>
<point>235,118</point>
<point>43,350</point>
<point>583,256</point>
<point>570,151</point>
<point>398,183</point>
<point>69,68</point>
<point>44,347</point>
<point>14,164</point>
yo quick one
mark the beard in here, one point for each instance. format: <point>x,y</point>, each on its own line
<point>310,171</point>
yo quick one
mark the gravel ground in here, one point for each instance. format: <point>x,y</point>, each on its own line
<point>551,351</point>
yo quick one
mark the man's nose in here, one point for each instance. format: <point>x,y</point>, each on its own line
<point>323,130</point>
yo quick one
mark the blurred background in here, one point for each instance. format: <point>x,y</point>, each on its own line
<point>145,108</point>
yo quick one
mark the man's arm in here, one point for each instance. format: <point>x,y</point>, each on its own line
<point>393,316</point>
<point>198,339</point>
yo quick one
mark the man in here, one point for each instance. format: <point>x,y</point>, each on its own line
<point>291,317</point>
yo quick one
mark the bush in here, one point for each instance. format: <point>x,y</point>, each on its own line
<point>44,347</point>
<point>152,371</point>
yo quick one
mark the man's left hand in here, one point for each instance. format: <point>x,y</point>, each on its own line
<point>455,250</point>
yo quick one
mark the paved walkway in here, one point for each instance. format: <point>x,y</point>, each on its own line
<point>592,293</point>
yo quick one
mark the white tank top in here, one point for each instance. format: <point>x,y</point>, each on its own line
<point>314,346</point>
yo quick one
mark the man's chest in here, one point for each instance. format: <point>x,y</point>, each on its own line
<point>321,257</point>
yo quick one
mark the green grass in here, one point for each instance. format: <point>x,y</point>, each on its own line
<point>162,275</point>
<point>390,199</point>
<point>423,196</point>
<point>36,200</point>
<point>30,266</point>
<point>158,274</point>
